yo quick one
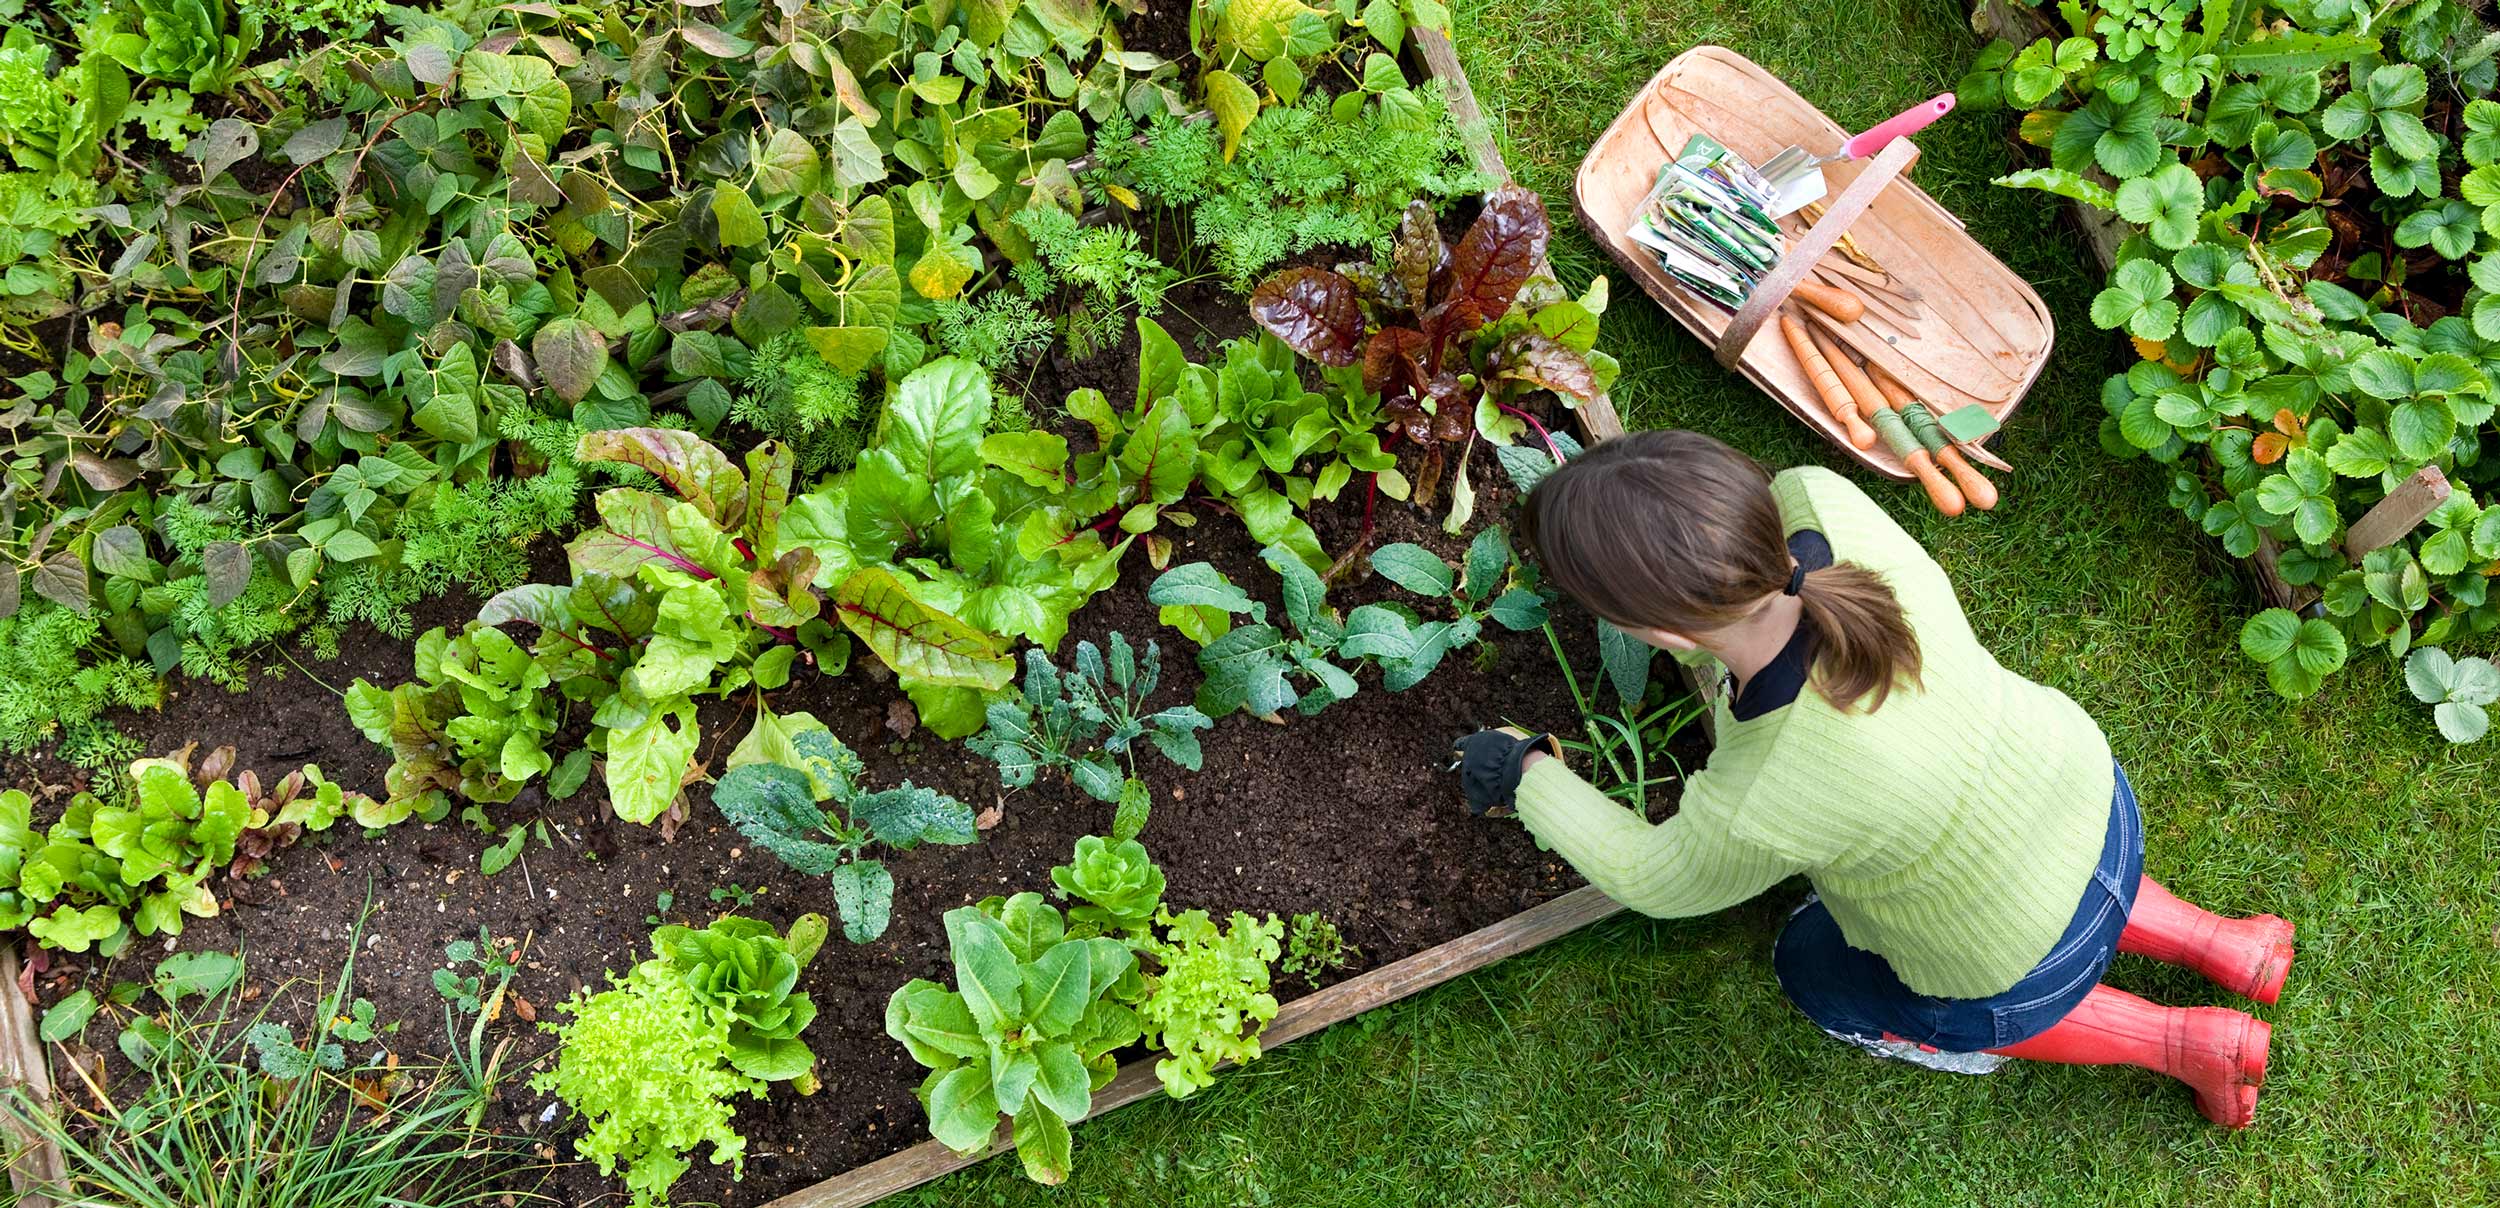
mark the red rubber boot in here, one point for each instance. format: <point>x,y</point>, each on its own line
<point>2220,1053</point>
<point>2249,957</point>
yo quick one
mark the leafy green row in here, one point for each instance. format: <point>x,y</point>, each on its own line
<point>107,872</point>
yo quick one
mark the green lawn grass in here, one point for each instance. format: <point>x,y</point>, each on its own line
<point>1647,1062</point>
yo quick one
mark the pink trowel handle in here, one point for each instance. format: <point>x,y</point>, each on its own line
<point>1908,122</point>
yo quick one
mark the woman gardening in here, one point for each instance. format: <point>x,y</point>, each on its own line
<point>1976,855</point>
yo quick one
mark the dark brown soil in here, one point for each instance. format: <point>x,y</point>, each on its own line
<point>1348,814</point>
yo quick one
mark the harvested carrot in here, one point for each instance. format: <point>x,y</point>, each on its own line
<point>1826,383</point>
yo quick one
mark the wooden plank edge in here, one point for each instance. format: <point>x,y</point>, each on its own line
<point>34,1162</point>
<point>1596,417</point>
<point>1528,929</point>
<point>1440,57</point>
<point>2388,520</point>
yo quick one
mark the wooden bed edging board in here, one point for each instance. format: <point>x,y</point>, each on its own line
<point>2387,521</point>
<point>33,1162</point>
<point>1520,932</point>
<point>1530,928</point>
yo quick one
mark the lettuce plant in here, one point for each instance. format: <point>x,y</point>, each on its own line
<point>112,870</point>
<point>1407,646</point>
<point>779,781</point>
<point>1028,1032</point>
<point>191,44</point>
<point>1256,665</point>
<point>745,975</point>
<point>648,1065</point>
<point>1267,424</point>
<point>1118,884</point>
<point>1206,994</point>
<point>1076,723</point>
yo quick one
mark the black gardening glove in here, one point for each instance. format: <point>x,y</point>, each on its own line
<point>1488,765</point>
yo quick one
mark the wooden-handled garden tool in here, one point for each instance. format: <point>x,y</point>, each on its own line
<point>1889,424</point>
<point>1932,435</point>
<point>1827,383</point>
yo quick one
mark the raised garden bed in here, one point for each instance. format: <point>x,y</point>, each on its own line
<point>2395,516</point>
<point>1345,814</point>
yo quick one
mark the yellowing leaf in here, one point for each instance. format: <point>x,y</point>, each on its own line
<point>1234,103</point>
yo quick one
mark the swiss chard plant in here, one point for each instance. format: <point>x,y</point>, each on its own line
<point>1088,724</point>
<point>2307,284</point>
<point>781,780</point>
<point>1257,665</point>
<point>1450,339</point>
<point>933,547</point>
<point>675,594</point>
<point>475,722</point>
<point>1492,586</point>
<point>1028,1032</point>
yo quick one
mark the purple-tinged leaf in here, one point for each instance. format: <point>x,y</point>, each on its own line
<point>1313,311</point>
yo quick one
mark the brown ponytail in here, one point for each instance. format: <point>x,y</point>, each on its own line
<point>1673,530</point>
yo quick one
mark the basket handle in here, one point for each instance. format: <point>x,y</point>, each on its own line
<point>1802,256</point>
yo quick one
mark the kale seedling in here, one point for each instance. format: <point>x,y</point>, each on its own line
<point>470,993</point>
<point>736,894</point>
<point>1409,647</point>
<point>1254,666</point>
<point>1075,723</point>
<point>777,783</point>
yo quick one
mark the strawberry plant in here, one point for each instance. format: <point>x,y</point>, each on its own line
<point>780,779</point>
<point>1076,723</point>
<point>2308,284</point>
<point>2459,690</point>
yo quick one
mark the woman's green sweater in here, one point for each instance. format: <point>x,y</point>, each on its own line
<point>1952,831</point>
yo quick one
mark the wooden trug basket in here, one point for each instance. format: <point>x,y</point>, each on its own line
<point>1986,334</point>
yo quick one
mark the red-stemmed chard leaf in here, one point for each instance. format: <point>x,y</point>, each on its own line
<point>1539,360</point>
<point>1393,363</point>
<point>1313,311</point>
<point>700,474</point>
<point>1495,257</point>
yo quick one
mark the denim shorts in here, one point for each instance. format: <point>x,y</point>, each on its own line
<point>1854,994</point>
